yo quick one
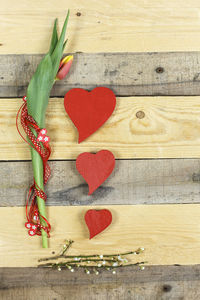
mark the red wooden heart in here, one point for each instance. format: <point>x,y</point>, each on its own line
<point>95,168</point>
<point>89,110</point>
<point>97,220</point>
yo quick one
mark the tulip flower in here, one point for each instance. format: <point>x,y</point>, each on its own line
<point>38,93</point>
<point>64,67</point>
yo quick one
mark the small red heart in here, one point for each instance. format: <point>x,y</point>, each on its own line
<point>89,110</point>
<point>97,220</point>
<point>95,168</point>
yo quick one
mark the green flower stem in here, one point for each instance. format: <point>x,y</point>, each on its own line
<point>38,176</point>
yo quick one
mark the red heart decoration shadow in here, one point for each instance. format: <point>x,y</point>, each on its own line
<point>89,110</point>
<point>95,168</point>
<point>97,220</point>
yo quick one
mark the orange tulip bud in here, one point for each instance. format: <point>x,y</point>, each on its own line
<point>64,67</point>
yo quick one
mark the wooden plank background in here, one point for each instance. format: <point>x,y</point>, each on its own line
<point>157,282</point>
<point>127,74</point>
<point>102,26</point>
<point>124,46</point>
<point>155,181</point>
<point>145,127</point>
<point>169,234</point>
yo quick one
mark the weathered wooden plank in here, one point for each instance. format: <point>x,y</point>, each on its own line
<point>148,127</point>
<point>132,182</point>
<point>101,26</point>
<point>127,74</point>
<point>154,283</point>
<point>134,291</point>
<point>34,277</point>
<point>169,234</point>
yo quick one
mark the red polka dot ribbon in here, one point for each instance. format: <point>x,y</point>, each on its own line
<point>40,142</point>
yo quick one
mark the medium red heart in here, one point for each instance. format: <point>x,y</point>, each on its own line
<point>95,168</point>
<point>97,220</point>
<point>89,110</point>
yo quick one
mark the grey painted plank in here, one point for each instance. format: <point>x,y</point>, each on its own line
<point>128,74</point>
<point>154,283</point>
<point>159,181</point>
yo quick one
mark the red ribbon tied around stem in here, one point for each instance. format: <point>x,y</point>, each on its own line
<point>39,142</point>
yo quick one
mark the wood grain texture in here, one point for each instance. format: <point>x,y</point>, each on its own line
<point>154,283</point>
<point>101,26</point>
<point>147,127</point>
<point>132,182</point>
<point>169,233</point>
<point>127,74</point>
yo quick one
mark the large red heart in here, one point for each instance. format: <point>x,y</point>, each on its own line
<point>95,168</point>
<point>97,220</point>
<point>89,110</point>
